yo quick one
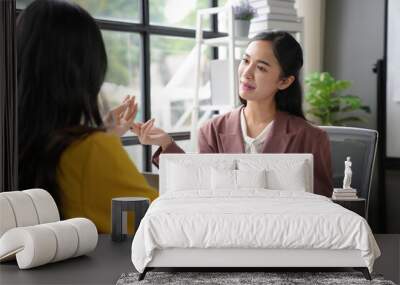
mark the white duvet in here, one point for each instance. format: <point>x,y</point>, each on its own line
<point>250,219</point>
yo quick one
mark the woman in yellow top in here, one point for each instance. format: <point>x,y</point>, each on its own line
<point>64,145</point>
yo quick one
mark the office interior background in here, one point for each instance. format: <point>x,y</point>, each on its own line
<point>150,48</point>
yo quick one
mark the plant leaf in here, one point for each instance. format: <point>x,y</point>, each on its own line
<point>348,119</point>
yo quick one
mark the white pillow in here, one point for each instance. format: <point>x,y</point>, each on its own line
<point>183,176</point>
<point>227,179</point>
<point>187,177</point>
<point>251,179</point>
<point>291,179</point>
<point>223,179</point>
<point>281,174</point>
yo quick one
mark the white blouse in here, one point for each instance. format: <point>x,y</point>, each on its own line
<point>253,145</point>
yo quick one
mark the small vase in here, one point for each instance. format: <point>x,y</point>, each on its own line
<point>242,28</point>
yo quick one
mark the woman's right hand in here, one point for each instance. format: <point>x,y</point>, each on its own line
<point>148,134</point>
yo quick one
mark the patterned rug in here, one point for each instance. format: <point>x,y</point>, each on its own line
<point>242,278</point>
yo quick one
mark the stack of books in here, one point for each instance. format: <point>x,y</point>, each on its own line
<point>275,15</point>
<point>343,194</point>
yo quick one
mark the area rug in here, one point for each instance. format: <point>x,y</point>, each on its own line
<point>243,278</point>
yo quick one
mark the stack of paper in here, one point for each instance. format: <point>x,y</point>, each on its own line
<point>274,15</point>
<point>340,193</point>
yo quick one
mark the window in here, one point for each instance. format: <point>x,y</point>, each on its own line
<point>113,10</point>
<point>21,4</point>
<point>172,81</point>
<point>123,74</point>
<point>166,13</point>
<point>147,43</point>
<point>135,152</point>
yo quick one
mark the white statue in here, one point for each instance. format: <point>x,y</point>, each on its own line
<point>347,174</point>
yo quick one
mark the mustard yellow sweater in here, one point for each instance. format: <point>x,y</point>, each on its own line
<point>91,172</point>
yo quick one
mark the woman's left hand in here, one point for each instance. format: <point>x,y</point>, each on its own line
<point>120,119</point>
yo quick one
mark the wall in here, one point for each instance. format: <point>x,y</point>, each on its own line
<point>354,41</point>
<point>393,83</point>
<point>393,116</point>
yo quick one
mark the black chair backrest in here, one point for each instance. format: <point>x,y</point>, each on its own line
<point>360,145</point>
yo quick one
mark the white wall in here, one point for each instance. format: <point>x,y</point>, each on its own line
<point>393,81</point>
<point>354,41</point>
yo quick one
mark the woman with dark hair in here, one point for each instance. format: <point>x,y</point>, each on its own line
<point>271,118</point>
<point>64,145</point>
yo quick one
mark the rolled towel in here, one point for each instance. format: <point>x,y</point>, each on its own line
<point>87,235</point>
<point>40,244</point>
<point>7,218</point>
<point>33,246</point>
<point>67,240</point>
<point>45,205</point>
<point>26,208</point>
<point>23,208</point>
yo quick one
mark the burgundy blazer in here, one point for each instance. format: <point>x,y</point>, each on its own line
<point>289,134</point>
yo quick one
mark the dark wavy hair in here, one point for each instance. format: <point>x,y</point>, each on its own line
<point>62,63</point>
<point>289,54</point>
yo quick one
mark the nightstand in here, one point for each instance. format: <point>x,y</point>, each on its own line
<point>356,205</point>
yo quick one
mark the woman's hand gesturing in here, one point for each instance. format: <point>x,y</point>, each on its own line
<point>151,135</point>
<point>120,119</point>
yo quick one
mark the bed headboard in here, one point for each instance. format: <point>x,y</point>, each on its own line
<point>285,166</point>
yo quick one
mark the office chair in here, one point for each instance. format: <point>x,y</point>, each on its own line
<point>360,145</point>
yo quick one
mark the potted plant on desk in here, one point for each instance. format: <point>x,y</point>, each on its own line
<point>243,12</point>
<point>326,104</point>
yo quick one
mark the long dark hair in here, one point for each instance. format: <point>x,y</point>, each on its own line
<point>61,66</point>
<point>289,54</point>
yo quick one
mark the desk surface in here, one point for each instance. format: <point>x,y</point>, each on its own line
<point>102,266</point>
<point>110,259</point>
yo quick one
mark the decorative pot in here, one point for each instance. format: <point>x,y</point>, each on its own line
<point>242,28</point>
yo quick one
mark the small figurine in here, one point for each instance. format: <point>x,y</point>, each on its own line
<point>347,174</point>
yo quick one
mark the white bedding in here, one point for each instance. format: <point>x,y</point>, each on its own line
<point>252,218</point>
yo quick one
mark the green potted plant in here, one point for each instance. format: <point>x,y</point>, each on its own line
<point>326,103</point>
<point>243,12</point>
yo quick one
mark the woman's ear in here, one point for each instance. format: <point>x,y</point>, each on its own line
<point>286,82</point>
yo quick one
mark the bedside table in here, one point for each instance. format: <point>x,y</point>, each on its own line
<point>358,205</point>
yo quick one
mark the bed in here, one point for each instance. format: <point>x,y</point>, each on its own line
<point>246,211</point>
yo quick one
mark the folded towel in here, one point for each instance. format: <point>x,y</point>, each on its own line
<point>40,244</point>
<point>31,231</point>
<point>26,208</point>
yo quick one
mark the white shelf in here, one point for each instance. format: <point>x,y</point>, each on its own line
<point>224,41</point>
<point>230,42</point>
